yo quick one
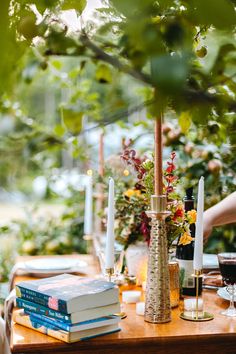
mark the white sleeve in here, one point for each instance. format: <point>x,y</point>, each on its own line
<point>4,346</point>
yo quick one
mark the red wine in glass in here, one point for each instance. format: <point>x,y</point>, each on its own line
<point>228,271</point>
<point>227,263</point>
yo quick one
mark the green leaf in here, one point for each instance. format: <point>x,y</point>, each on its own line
<point>59,130</point>
<point>185,121</point>
<point>78,5</point>
<point>57,64</point>
<point>169,73</point>
<point>128,7</point>
<point>72,120</point>
<point>103,74</point>
<point>219,13</point>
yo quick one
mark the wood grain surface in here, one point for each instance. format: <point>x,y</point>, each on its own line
<point>137,336</point>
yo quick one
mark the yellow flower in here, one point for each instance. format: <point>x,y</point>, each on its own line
<point>185,239</point>
<point>192,216</point>
<point>132,193</point>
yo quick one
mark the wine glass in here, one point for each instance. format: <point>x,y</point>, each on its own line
<point>227,263</point>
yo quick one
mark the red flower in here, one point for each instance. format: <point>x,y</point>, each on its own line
<point>145,227</point>
<point>170,178</point>
<point>171,167</point>
<point>179,213</point>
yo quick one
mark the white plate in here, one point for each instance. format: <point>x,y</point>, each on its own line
<point>210,261</point>
<point>222,292</point>
<point>54,265</point>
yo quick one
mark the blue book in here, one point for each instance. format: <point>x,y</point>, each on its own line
<point>74,317</point>
<point>68,293</point>
<point>43,327</point>
<point>81,326</point>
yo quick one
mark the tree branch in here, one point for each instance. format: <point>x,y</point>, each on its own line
<point>101,55</point>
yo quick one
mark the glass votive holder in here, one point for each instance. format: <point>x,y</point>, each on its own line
<point>191,310</point>
<point>174,283</point>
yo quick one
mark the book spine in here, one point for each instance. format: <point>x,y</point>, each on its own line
<point>42,299</point>
<point>38,326</point>
<point>48,320</point>
<point>36,308</point>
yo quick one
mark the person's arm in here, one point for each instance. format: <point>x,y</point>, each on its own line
<point>220,214</point>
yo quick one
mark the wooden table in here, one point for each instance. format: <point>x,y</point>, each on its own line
<point>137,336</point>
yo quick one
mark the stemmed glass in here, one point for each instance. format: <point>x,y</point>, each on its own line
<point>118,263</point>
<point>227,263</point>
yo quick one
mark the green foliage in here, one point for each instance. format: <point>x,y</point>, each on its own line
<point>220,13</point>
<point>72,120</point>
<point>50,236</point>
<point>7,253</point>
<point>78,5</point>
<point>185,121</point>
<point>167,50</point>
<point>128,216</point>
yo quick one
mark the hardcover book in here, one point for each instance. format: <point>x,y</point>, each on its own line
<point>23,319</point>
<point>72,318</point>
<point>81,326</point>
<point>68,293</point>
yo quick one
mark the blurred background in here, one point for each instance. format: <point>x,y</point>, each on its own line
<point>50,128</point>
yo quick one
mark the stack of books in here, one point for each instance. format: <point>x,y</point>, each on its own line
<point>68,307</point>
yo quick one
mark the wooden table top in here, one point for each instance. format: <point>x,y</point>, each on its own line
<point>136,335</point>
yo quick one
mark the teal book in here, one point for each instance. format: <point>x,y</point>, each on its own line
<point>51,330</point>
<point>68,293</point>
<point>81,326</point>
<point>75,317</point>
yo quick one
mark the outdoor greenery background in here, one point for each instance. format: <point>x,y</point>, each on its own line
<point>131,62</point>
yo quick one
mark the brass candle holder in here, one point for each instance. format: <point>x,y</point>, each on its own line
<point>205,316</point>
<point>157,305</point>
<point>109,273</point>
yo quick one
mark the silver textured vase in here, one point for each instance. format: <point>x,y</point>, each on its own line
<point>157,304</point>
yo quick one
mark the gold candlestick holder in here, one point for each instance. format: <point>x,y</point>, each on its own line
<point>157,305</point>
<point>109,273</point>
<point>205,316</point>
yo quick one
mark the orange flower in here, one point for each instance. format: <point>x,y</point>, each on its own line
<point>192,216</point>
<point>185,239</point>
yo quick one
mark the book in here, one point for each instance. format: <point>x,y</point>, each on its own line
<point>75,317</point>
<point>23,319</point>
<point>81,326</point>
<point>68,293</point>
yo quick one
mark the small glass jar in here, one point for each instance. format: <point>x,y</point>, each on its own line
<point>174,283</point>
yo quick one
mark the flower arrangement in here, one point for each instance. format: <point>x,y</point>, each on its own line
<point>132,223</point>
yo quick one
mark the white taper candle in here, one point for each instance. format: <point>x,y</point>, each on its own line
<point>88,211</point>
<point>109,252</point>
<point>198,244</point>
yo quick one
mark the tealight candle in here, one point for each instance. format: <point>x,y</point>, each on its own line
<point>190,307</point>
<point>140,307</point>
<point>131,296</point>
